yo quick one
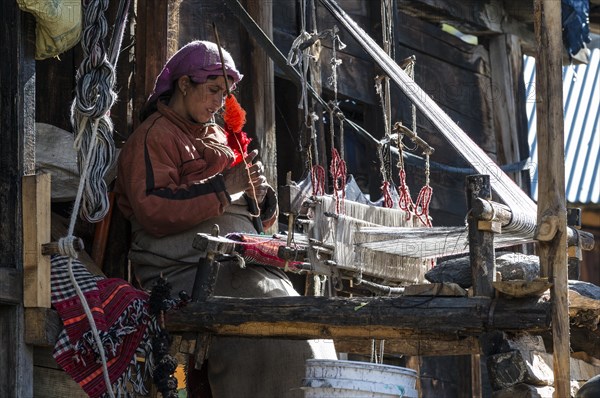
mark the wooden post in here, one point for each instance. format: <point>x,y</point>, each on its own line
<point>151,47</point>
<point>481,242</point>
<point>482,257</point>
<point>17,158</point>
<point>36,232</point>
<point>552,215</point>
<point>263,90</point>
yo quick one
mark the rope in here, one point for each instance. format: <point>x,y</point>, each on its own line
<point>383,145</point>
<point>300,54</point>
<point>404,201</point>
<point>94,96</point>
<point>66,248</point>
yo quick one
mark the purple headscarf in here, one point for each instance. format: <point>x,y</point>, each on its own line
<point>198,60</point>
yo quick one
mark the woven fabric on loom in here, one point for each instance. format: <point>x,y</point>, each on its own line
<point>121,316</point>
<point>342,231</point>
<point>262,250</point>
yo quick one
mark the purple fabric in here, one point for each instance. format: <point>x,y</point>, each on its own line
<point>197,59</point>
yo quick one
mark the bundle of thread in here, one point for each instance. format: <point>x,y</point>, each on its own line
<point>234,117</point>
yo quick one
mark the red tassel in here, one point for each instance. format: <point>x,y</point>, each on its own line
<point>235,119</point>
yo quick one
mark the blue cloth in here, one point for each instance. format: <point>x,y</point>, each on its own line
<point>575,23</point>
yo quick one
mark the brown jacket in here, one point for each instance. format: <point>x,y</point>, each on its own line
<point>169,174</point>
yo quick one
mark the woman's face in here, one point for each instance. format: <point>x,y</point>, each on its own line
<point>203,100</point>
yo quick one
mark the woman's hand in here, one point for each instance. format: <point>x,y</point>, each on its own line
<point>239,178</point>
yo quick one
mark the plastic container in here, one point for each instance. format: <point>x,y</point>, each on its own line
<point>353,379</point>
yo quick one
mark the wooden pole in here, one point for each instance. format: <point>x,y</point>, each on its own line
<point>263,90</point>
<point>481,242</point>
<point>151,34</point>
<point>360,317</point>
<point>552,214</point>
<point>482,258</point>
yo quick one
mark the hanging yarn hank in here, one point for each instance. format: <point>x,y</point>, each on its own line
<point>94,96</point>
<point>338,173</point>
<point>317,179</point>
<point>421,206</point>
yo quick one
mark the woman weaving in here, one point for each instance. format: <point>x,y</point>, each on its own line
<point>176,179</point>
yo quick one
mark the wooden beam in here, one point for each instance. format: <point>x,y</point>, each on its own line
<point>552,213</point>
<point>381,318</point>
<point>412,347</point>
<point>151,47</point>
<point>263,90</point>
<point>36,232</point>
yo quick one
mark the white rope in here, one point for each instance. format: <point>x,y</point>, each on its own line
<point>94,143</point>
<point>382,147</point>
<point>66,249</point>
<point>300,55</point>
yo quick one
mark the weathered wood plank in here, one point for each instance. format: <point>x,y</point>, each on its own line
<point>522,288</point>
<point>36,232</point>
<point>551,210</point>
<point>52,383</point>
<point>479,18</point>
<point>424,37</point>
<point>435,289</point>
<point>508,97</point>
<point>412,347</point>
<point>11,285</point>
<point>382,318</point>
<point>42,326</point>
<point>42,356</point>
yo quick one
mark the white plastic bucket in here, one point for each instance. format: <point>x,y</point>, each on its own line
<point>352,379</point>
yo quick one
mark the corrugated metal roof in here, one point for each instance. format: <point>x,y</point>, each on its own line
<point>581,104</point>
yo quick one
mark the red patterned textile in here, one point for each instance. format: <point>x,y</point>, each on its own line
<point>121,316</point>
<point>261,249</point>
